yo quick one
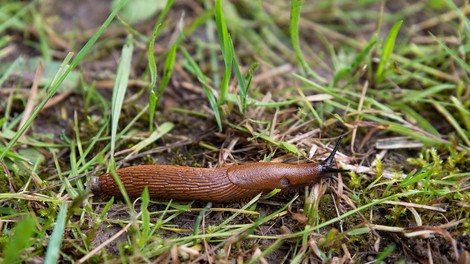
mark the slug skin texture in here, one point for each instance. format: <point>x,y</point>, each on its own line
<point>225,184</point>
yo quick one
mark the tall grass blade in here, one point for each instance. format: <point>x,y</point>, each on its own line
<point>144,235</point>
<point>152,66</point>
<point>387,51</point>
<point>167,71</point>
<point>225,45</point>
<point>244,83</point>
<point>202,79</point>
<point>453,54</point>
<point>119,90</point>
<point>53,247</point>
<point>454,123</point>
<point>296,6</point>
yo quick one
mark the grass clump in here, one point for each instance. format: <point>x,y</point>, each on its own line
<point>230,82</point>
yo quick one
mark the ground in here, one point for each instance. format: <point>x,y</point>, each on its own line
<point>221,83</point>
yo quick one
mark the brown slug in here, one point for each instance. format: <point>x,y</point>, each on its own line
<point>224,184</point>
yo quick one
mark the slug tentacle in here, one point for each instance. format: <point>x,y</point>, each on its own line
<point>327,163</point>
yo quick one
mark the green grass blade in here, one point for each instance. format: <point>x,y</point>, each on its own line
<point>414,96</point>
<point>213,52</point>
<point>19,241</point>
<point>244,83</point>
<point>202,79</point>
<point>167,71</point>
<point>152,66</point>
<point>15,20</point>
<point>92,144</point>
<point>144,235</point>
<point>420,120</point>
<point>387,51</point>
<point>345,71</point>
<point>55,240</point>
<point>51,90</point>
<point>410,179</point>
<point>450,118</point>
<point>407,131</point>
<point>54,86</point>
<point>352,212</point>
<point>243,88</point>
<point>119,90</point>
<point>73,193</point>
<point>462,15</point>
<point>225,45</point>
<point>200,217</point>
<point>43,40</point>
<point>387,251</point>
<point>13,66</point>
<point>122,189</point>
<point>453,54</point>
<point>13,155</point>
<point>296,6</point>
<point>464,112</point>
<point>162,130</point>
<point>163,14</point>
<point>364,53</point>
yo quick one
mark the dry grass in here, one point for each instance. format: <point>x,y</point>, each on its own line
<point>235,83</point>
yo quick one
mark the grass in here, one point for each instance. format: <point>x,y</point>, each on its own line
<point>230,83</point>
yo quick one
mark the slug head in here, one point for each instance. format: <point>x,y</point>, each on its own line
<point>326,165</point>
<point>265,176</point>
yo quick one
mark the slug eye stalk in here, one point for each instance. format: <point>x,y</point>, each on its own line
<point>327,163</point>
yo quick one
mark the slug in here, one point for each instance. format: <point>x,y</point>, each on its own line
<point>223,184</point>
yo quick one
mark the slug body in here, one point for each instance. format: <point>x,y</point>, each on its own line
<point>225,184</point>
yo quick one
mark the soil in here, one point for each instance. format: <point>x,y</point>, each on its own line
<point>76,20</point>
